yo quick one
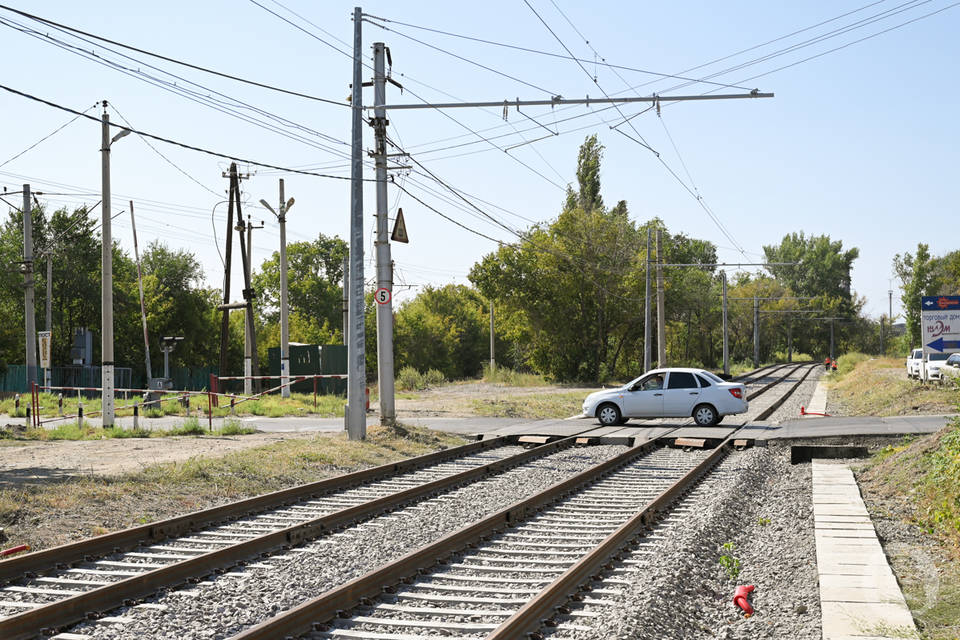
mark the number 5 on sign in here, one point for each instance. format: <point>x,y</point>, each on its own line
<point>382,295</point>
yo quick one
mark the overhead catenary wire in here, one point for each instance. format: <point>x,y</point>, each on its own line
<point>531,50</point>
<point>183,63</point>
<point>641,141</point>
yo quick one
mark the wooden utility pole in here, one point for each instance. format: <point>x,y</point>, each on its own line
<point>228,255</point>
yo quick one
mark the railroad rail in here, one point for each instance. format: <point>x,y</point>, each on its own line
<point>506,572</point>
<point>56,587</point>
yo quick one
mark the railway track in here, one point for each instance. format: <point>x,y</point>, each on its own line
<point>51,589</point>
<point>56,587</point>
<point>499,577</point>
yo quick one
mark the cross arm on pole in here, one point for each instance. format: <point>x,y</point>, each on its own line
<point>558,100</point>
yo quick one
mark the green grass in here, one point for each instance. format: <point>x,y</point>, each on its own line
<point>924,474</point>
<point>298,404</point>
<point>71,431</point>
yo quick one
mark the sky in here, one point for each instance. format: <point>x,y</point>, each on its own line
<point>859,143</point>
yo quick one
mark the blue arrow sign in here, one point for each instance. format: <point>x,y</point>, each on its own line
<point>940,344</point>
<point>939,303</point>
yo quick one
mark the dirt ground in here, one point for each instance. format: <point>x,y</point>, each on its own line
<point>26,461</point>
<point>459,400</point>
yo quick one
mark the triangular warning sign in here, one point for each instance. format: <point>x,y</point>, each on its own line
<point>399,229</point>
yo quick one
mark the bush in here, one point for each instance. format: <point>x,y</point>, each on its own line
<point>409,379</point>
<point>511,378</point>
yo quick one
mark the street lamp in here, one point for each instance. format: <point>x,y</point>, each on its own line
<point>284,321</point>
<point>106,272</point>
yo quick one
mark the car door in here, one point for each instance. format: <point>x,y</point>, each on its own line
<point>681,394</point>
<point>644,399</point>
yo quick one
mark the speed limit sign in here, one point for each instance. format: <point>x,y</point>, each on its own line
<point>382,296</point>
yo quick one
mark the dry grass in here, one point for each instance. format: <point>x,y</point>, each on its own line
<point>540,406</point>
<point>44,513</point>
<point>918,482</point>
<point>879,387</point>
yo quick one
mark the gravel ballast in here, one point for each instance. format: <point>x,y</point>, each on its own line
<point>760,504</point>
<point>224,606</point>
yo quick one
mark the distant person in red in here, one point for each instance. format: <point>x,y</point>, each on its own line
<point>827,363</point>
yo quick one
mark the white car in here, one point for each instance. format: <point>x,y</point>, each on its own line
<point>669,393</point>
<point>930,368</point>
<point>914,361</point>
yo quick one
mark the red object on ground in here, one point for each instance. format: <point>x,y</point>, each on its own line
<point>740,598</point>
<point>804,412</point>
<point>13,550</point>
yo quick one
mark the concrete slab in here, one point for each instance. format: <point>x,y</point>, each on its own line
<point>871,619</point>
<point>859,595</point>
<point>818,401</point>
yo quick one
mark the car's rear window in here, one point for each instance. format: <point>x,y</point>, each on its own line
<point>712,376</point>
<point>681,380</point>
<point>703,381</point>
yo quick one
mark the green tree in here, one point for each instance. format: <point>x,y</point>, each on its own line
<point>573,282</point>
<point>443,328</point>
<point>314,286</point>
<point>918,277</point>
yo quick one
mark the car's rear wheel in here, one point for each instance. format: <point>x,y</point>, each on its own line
<point>609,414</point>
<point>705,415</point>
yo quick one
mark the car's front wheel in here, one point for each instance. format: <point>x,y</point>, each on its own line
<point>705,415</point>
<point>609,415</point>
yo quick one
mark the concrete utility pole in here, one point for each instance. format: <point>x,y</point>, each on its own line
<point>661,312</point>
<point>346,298</point>
<point>284,310</point>
<point>29,310</point>
<point>493,359</point>
<point>647,316</point>
<point>832,356</point>
<point>756,332</point>
<point>384,263</point>
<point>48,373</point>
<point>356,418</point>
<point>106,283</point>
<point>726,334</point>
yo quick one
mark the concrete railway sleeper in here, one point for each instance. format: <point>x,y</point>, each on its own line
<point>500,576</point>
<point>54,588</point>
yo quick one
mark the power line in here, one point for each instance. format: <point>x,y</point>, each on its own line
<point>165,158</point>
<point>174,142</point>
<point>641,141</point>
<point>172,60</point>
<point>530,50</point>
<point>46,137</point>
<point>206,100</point>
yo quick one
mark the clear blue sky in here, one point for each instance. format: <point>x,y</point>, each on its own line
<point>859,144</point>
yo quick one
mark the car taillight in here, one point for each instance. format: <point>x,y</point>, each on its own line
<point>737,393</point>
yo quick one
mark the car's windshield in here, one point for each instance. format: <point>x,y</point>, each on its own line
<point>917,353</point>
<point>938,356</point>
